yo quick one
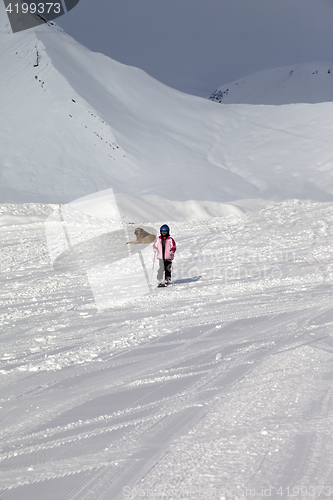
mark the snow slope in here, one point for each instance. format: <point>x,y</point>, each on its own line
<point>74,123</point>
<point>306,82</point>
<point>218,387</point>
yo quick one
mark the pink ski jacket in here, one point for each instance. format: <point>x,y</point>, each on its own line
<point>170,248</point>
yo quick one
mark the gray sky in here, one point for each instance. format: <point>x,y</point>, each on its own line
<point>198,45</point>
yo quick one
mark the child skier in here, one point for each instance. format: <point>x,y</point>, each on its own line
<point>165,247</point>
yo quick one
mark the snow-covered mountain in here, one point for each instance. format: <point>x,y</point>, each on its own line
<point>307,82</point>
<point>217,387</point>
<point>75,122</point>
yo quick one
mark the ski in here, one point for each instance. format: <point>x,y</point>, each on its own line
<point>164,285</point>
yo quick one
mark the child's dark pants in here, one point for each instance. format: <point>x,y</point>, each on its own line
<point>165,267</point>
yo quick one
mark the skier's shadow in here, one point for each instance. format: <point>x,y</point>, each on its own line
<point>188,280</point>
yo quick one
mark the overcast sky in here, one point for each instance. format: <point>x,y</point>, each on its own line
<point>198,45</point>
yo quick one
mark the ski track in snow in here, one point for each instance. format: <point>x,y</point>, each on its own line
<point>218,384</point>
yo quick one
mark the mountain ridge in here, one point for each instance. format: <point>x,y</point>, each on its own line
<point>75,122</point>
<point>310,82</point>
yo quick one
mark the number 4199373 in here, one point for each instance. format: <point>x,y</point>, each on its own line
<point>34,8</point>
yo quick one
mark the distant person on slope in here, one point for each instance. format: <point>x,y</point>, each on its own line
<point>165,247</point>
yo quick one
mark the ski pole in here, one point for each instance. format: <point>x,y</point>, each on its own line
<point>173,279</point>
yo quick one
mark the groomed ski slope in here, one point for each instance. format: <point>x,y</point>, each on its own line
<point>218,387</point>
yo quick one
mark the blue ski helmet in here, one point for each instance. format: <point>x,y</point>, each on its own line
<point>164,228</point>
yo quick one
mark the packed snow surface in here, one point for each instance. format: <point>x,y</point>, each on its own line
<point>217,387</point>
